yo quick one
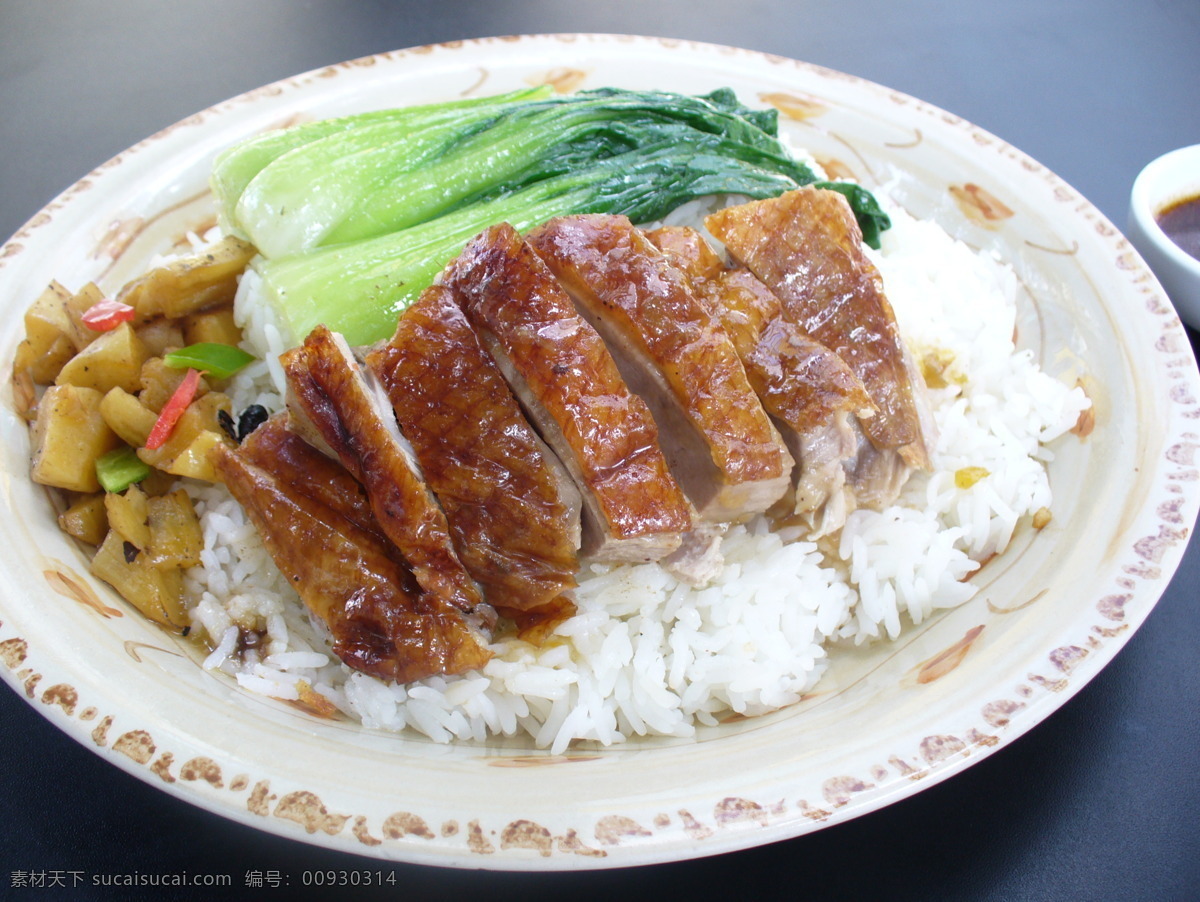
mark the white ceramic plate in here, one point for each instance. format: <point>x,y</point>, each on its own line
<point>885,724</point>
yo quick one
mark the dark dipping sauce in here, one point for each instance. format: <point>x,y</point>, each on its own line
<point>1181,222</point>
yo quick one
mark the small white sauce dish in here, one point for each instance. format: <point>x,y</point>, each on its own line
<point>1168,180</point>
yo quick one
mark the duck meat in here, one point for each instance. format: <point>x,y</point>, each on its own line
<point>512,508</point>
<point>570,389</point>
<point>722,446</point>
<point>343,403</point>
<point>276,446</point>
<point>806,246</point>
<point>350,577</point>
<point>808,390</point>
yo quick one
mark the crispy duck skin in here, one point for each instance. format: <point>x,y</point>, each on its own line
<point>328,388</point>
<point>720,443</point>
<point>821,406</point>
<point>808,390</point>
<point>381,621</point>
<point>806,246</point>
<point>800,381</point>
<point>813,397</point>
<point>512,507</point>
<point>570,388</point>
<point>274,446</point>
<point>688,250</point>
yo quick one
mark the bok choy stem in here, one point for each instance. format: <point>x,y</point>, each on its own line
<point>236,167</point>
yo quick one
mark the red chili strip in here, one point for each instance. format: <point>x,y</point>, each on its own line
<point>173,410</point>
<point>106,315</point>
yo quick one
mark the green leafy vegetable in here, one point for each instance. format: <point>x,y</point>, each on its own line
<point>120,468</point>
<point>236,167</point>
<point>360,288</point>
<point>385,175</point>
<point>218,360</point>
<point>356,222</point>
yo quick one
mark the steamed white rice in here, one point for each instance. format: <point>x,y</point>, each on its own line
<point>649,655</point>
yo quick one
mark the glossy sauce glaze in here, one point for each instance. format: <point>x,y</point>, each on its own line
<point>1181,222</point>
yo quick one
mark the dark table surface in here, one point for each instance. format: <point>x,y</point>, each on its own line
<point>1098,802</point>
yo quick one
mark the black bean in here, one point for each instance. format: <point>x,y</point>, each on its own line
<point>226,422</point>
<point>252,417</point>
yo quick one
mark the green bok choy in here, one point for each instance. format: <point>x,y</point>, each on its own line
<point>355,223</point>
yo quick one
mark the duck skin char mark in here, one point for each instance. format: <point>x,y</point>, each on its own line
<point>570,388</point>
<point>809,391</point>
<point>512,507</point>
<point>381,621</point>
<point>806,246</point>
<point>722,447</point>
<point>336,398</point>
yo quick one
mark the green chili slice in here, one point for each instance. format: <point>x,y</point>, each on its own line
<point>119,469</point>
<point>217,360</point>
